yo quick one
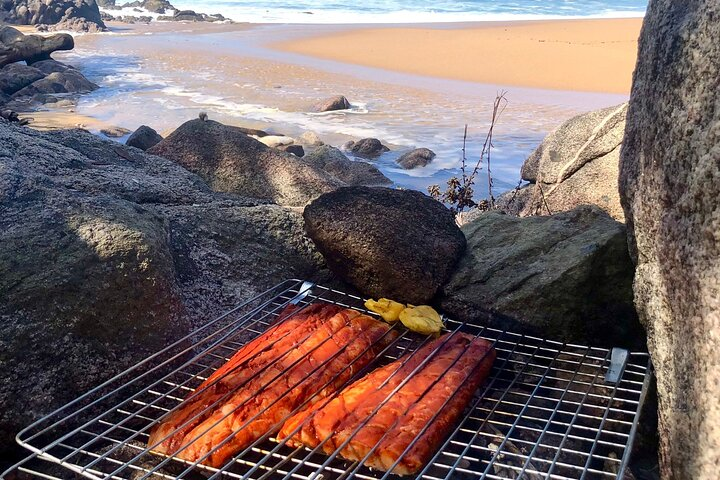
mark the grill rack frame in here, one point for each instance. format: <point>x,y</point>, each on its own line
<point>502,436</point>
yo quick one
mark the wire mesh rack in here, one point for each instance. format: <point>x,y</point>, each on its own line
<point>547,410</point>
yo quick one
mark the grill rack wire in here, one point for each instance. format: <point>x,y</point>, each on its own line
<point>545,412</point>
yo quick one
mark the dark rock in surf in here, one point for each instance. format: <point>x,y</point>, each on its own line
<point>143,138</point>
<point>419,157</point>
<point>331,104</point>
<point>367,148</point>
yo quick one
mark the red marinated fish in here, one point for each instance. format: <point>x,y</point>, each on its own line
<point>381,416</point>
<point>300,359</point>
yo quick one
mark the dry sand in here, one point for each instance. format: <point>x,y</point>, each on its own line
<point>581,55</point>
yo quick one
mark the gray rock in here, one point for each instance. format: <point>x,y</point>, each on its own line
<point>157,6</point>
<point>50,12</point>
<point>110,253</point>
<point>187,16</point>
<point>52,66</point>
<point>578,164</point>
<point>351,172</point>
<point>16,47</point>
<point>70,81</point>
<point>670,190</point>
<point>419,157</point>
<point>311,139</point>
<point>16,76</point>
<point>334,103</point>
<point>77,24</point>
<point>367,148</point>
<point>566,277</point>
<point>399,244</point>
<point>143,138</point>
<point>296,150</point>
<point>231,161</point>
<point>115,132</point>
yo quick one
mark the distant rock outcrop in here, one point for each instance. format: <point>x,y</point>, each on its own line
<point>143,138</point>
<point>578,164</point>
<point>566,277</point>
<point>16,47</point>
<point>670,190</point>
<point>334,162</point>
<point>42,77</point>
<point>108,254</point>
<point>80,15</point>
<point>231,161</point>
<point>399,244</point>
<point>418,157</point>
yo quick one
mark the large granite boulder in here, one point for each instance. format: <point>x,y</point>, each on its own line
<point>231,161</point>
<point>399,244</point>
<point>70,81</point>
<point>578,164</point>
<point>567,277</point>
<point>334,162</point>
<point>16,47</point>
<point>670,190</point>
<point>16,76</point>
<point>109,254</point>
<point>50,12</point>
<point>143,138</point>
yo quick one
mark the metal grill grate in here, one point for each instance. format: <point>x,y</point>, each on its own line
<point>545,412</point>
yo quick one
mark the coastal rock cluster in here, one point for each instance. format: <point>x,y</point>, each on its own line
<point>670,191</point>
<point>110,253</point>
<point>231,161</point>
<point>166,10</point>
<point>76,15</point>
<point>40,77</point>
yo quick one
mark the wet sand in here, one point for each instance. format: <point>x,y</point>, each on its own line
<point>581,55</point>
<point>164,74</point>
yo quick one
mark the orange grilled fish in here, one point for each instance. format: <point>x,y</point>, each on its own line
<point>300,359</point>
<point>396,415</point>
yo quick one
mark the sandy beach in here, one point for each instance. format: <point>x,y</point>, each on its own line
<point>580,55</point>
<point>418,92</point>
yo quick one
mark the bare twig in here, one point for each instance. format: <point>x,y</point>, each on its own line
<point>542,194</point>
<point>459,192</point>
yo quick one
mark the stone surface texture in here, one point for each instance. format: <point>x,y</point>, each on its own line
<point>398,244</point>
<point>670,189</point>
<point>352,172</point>
<point>230,161</point>
<point>108,254</point>
<point>566,277</point>
<point>578,164</point>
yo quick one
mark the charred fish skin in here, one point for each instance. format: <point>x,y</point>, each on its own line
<point>301,359</point>
<point>398,415</point>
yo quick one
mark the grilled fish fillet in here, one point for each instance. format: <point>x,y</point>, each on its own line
<point>397,415</point>
<point>301,359</point>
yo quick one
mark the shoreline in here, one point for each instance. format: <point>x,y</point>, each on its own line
<point>163,74</point>
<point>588,55</point>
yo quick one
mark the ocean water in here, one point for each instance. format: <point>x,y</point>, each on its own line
<point>412,11</point>
<point>163,77</point>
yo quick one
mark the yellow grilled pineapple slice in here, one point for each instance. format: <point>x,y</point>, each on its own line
<point>388,309</point>
<point>422,319</point>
